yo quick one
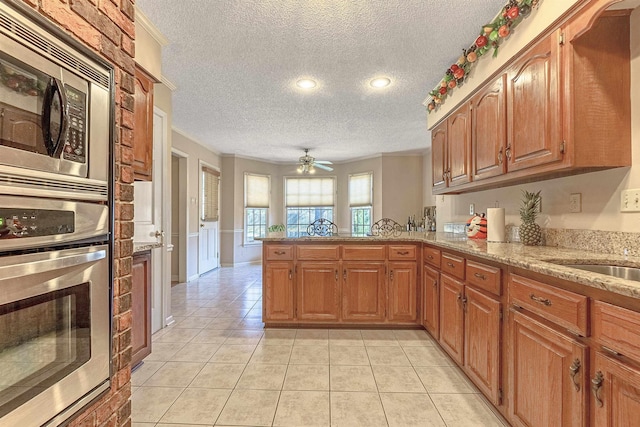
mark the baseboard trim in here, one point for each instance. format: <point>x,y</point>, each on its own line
<point>239,264</point>
<point>194,277</point>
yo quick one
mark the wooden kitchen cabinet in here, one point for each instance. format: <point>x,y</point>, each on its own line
<point>452,317</point>
<point>459,146</point>
<point>548,370</point>
<point>140,307</point>
<point>143,126</point>
<point>278,291</point>
<point>488,130</point>
<point>439,156</point>
<point>534,91</point>
<point>402,292</point>
<point>431,301</point>
<point>615,392</point>
<point>318,290</point>
<point>363,291</point>
<point>482,342</point>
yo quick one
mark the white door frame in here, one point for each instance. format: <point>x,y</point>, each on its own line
<point>183,212</point>
<point>201,164</point>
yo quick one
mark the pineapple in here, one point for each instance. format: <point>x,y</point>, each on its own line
<point>530,232</point>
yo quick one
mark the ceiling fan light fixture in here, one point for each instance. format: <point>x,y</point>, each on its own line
<point>380,82</point>
<point>306,84</point>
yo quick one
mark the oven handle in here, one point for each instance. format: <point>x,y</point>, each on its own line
<point>29,268</point>
<point>54,143</point>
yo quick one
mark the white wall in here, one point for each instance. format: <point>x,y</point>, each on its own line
<point>600,191</point>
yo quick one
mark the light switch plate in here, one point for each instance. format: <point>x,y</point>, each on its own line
<point>472,209</point>
<point>575,202</point>
<point>630,200</point>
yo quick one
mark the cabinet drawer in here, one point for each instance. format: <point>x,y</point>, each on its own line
<point>565,308</point>
<point>402,252</point>
<point>363,252</point>
<point>326,252</point>
<point>484,277</point>
<point>279,252</point>
<point>431,256</point>
<point>453,265</point>
<point>617,328</point>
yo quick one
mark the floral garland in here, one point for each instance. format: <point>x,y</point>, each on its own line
<point>490,37</point>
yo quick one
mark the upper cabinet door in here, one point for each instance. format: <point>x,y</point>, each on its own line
<point>534,131</point>
<point>459,141</point>
<point>489,130</point>
<point>439,156</point>
<point>143,126</point>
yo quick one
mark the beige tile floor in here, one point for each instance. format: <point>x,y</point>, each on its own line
<point>216,365</point>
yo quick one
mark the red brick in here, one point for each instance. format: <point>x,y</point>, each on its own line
<point>109,29</point>
<point>126,137</point>
<point>70,21</point>
<point>124,320</point>
<point>126,174</point>
<point>86,11</point>
<point>126,211</point>
<point>124,303</point>
<point>118,18</point>
<point>127,156</point>
<point>128,9</point>
<point>127,118</point>
<point>127,101</point>
<point>127,81</point>
<point>108,48</point>
<point>128,45</point>
<point>125,191</point>
<point>32,3</point>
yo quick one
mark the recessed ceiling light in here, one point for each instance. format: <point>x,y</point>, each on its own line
<point>306,83</point>
<point>380,82</point>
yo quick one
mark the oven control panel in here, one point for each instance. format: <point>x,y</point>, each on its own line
<point>20,223</point>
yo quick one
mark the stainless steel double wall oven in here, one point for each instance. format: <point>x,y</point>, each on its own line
<point>56,221</point>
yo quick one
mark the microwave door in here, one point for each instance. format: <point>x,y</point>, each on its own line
<point>54,117</point>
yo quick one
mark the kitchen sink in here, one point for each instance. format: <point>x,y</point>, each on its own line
<point>628,273</point>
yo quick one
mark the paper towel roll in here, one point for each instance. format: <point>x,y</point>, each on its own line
<point>495,225</point>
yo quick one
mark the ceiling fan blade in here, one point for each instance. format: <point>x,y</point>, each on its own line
<point>324,162</point>
<point>323,167</point>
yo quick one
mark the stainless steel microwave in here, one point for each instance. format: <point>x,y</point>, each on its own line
<point>55,114</point>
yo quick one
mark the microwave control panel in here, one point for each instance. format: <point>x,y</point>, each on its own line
<point>75,146</point>
<point>21,223</point>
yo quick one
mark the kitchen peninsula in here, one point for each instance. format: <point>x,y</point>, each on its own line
<point>519,321</point>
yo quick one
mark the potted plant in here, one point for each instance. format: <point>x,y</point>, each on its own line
<point>276,230</point>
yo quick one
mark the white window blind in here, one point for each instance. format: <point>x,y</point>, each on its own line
<point>256,191</point>
<point>360,189</point>
<point>310,192</point>
<point>209,202</point>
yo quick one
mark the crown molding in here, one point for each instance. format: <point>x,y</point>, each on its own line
<point>165,81</point>
<point>196,140</point>
<point>150,27</point>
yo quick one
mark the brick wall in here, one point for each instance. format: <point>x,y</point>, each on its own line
<point>107,27</point>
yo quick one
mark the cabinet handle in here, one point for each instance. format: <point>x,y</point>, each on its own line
<point>403,252</point>
<point>391,274</point>
<point>279,252</point>
<point>508,152</point>
<point>336,275</point>
<point>435,283</point>
<point>500,156</point>
<point>450,264</point>
<point>344,274</point>
<point>573,371</point>
<point>596,385</point>
<point>480,276</point>
<point>430,256</point>
<point>289,274</point>
<point>540,300</point>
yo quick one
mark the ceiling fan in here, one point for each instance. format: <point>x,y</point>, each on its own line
<point>307,164</point>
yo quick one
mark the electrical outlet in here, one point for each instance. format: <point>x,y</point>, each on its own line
<point>472,209</point>
<point>575,202</point>
<point>630,200</point>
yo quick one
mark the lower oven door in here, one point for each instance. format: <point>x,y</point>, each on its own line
<point>54,333</point>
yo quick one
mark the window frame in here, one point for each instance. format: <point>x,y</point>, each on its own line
<point>355,206</point>
<point>247,209</point>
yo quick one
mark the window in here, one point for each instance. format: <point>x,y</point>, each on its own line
<point>256,205</point>
<point>210,179</point>
<point>360,202</point>
<point>306,200</point>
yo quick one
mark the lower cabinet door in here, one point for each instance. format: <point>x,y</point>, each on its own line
<point>140,307</point>
<point>452,317</point>
<point>615,393</point>
<point>431,301</point>
<point>278,297</point>
<point>482,343</point>
<point>403,304</point>
<point>363,291</point>
<point>318,291</point>
<point>548,375</point>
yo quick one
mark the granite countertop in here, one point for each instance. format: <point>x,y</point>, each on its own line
<point>541,259</point>
<point>145,246</point>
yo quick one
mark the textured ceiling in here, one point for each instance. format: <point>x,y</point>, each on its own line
<point>235,63</point>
